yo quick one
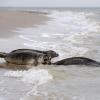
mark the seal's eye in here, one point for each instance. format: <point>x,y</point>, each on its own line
<point>46,58</point>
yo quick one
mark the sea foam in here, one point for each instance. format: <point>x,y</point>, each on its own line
<point>32,76</point>
<point>62,33</point>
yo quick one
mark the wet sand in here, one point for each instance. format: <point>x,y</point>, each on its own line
<point>11,20</point>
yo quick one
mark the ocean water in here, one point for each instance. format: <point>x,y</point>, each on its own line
<point>70,32</point>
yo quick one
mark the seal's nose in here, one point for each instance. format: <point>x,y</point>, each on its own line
<point>57,54</point>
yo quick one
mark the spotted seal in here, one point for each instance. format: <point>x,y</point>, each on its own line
<point>25,57</point>
<point>50,53</point>
<point>77,61</point>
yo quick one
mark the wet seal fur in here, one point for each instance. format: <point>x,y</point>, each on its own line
<point>50,53</point>
<point>77,61</point>
<point>47,60</point>
<point>25,57</point>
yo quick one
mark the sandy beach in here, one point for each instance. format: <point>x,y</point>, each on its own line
<point>10,20</point>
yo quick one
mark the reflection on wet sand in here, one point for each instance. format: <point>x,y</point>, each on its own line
<point>14,66</point>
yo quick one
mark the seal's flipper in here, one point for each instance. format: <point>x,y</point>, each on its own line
<point>3,55</point>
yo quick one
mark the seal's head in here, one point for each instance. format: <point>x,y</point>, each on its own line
<point>46,59</point>
<point>52,54</point>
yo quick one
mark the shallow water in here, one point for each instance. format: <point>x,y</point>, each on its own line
<point>70,34</point>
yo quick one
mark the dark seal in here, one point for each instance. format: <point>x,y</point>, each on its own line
<point>77,61</point>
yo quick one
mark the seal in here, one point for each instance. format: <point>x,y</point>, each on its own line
<point>25,57</point>
<point>50,53</point>
<point>77,61</point>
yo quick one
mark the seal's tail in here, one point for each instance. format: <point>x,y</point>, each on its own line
<point>2,54</point>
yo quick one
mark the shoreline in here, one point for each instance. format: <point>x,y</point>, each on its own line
<point>11,20</point>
